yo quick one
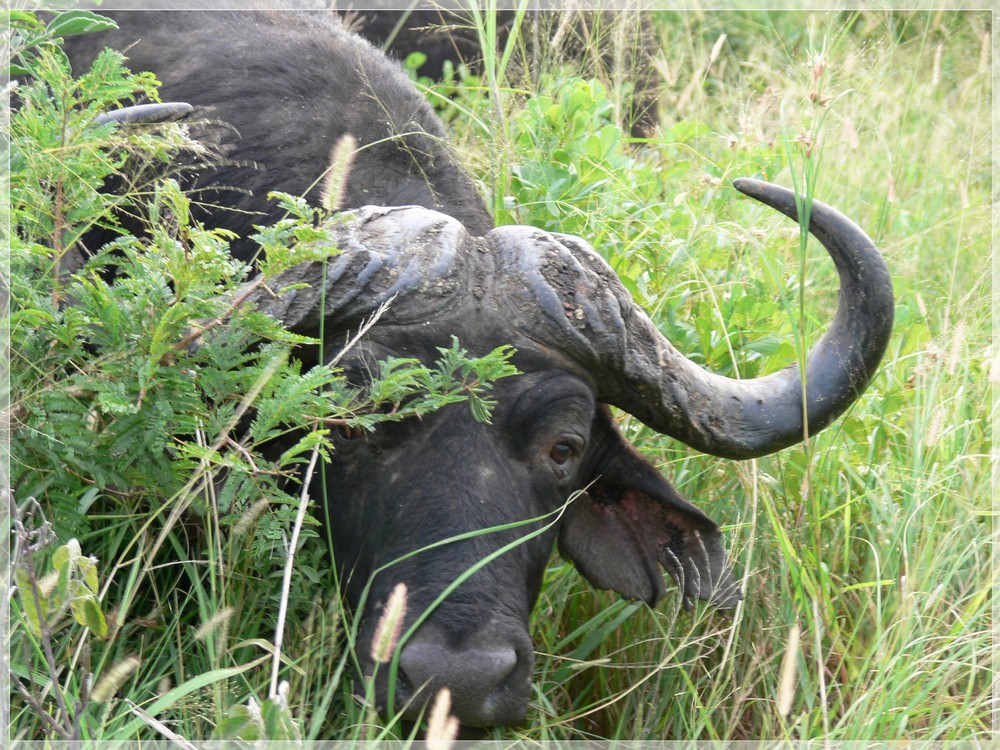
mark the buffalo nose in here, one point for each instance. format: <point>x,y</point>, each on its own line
<point>488,683</point>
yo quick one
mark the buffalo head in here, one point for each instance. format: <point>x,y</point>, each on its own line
<point>552,452</point>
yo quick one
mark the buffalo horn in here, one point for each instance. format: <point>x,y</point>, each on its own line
<point>555,292</point>
<point>144,113</point>
<point>748,418</point>
<point>590,316</point>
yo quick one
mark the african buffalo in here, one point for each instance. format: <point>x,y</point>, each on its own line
<point>291,85</point>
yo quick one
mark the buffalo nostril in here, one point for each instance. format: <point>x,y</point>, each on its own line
<point>477,677</point>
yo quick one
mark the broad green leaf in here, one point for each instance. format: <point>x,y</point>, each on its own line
<point>240,724</point>
<point>279,724</point>
<point>87,612</point>
<point>24,589</point>
<point>20,18</point>
<point>64,579</point>
<point>88,568</point>
<point>75,22</point>
<point>66,554</point>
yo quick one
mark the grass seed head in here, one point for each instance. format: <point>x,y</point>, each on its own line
<point>213,623</point>
<point>335,182</point>
<point>390,624</point>
<point>442,727</point>
<point>936,74</point>
<point>249,518</point>
<point>114,678</point>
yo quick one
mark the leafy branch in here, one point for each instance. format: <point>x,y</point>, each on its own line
<point>140,434</point>
<point>406,388</point>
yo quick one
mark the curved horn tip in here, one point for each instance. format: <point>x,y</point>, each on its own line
<point>745,184</point>
<point>766,192</point>
<point>753,187</point>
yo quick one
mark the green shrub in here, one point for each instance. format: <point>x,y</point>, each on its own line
<point>161,427</point>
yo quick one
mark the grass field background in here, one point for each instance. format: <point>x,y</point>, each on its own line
<point>864,555</point>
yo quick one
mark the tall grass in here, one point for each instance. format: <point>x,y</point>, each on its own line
<point>864,555</point>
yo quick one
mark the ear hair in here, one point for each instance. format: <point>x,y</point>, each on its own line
<point>631,521</point>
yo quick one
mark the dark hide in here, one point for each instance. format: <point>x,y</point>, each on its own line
<point>290,85</point>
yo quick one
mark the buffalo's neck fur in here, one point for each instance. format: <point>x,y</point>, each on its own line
<point>292,84</point>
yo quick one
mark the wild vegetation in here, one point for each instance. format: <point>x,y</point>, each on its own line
<point>153,530</point>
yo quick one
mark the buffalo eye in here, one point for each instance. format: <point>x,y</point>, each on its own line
<point>561,453</point>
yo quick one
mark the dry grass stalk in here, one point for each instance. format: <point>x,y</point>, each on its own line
<point>788,675</point>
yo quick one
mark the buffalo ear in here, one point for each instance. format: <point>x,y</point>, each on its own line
<point>630,521</point>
